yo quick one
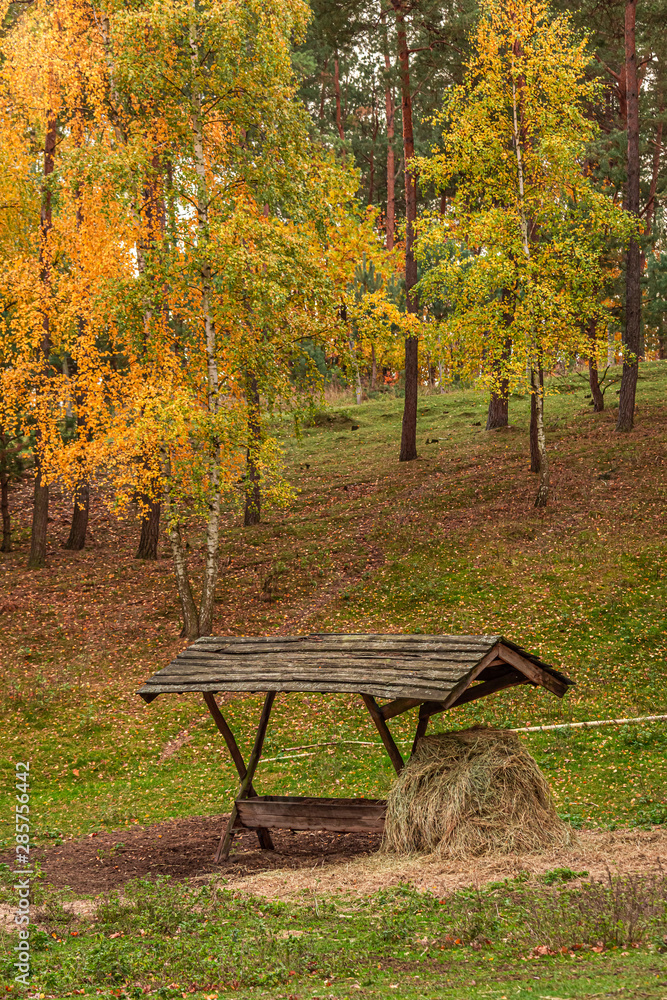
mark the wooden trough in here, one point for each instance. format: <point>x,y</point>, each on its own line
<point>431,672</point>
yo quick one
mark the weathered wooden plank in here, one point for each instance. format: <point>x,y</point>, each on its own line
<point>263,835</point>
<point>385,735</point>
<point>395,667</point>
<point>535,673</point>
<point>378,691</point>
<point>459,688</point>
<point>422,726</point>
<point>477,691</point>
<point>398,706</point>
<point>348,639</point>
<point>336,815</point>
<point>228,836</point>
<point>430,668</point>
<point>391,678</point>
<point>426,667</point>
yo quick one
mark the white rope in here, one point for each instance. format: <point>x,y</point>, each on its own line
<point>523,729</point>
<point>589,725</point>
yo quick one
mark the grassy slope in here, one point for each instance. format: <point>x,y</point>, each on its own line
<point>450,543</point>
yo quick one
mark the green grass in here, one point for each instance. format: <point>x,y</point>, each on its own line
<point>531,937</point>
<point>450,543</point>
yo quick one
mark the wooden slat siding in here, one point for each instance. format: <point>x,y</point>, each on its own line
<point>335,815</point>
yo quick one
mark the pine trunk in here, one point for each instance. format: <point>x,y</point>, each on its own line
<point>390,218</point>
<point>409,426</point>
<point>253,495</point>
<point>632,338</point>
<point>339,111</point>
<point>77,532</point>
<point>149,538</point>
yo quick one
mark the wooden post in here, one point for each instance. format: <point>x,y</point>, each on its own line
<point>385,735</point>
<point>263,835</point>
<point>246,782</point>
<point>422,726</point>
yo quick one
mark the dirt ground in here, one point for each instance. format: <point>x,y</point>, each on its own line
<point>184,848</point>
<point>323,863</point>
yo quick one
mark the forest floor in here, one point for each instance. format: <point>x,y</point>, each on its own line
<point>449,543</point>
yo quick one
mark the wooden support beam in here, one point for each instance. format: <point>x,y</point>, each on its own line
<point>263,835</point>
<point>534,673</point>
<point>398,706</point>
<point>385,735</point>
<point>246,782</point>
<point>466,681</point>
<point>509,679</point>
<point>422,726</point>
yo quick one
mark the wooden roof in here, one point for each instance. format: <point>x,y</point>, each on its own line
<point>420,668</point>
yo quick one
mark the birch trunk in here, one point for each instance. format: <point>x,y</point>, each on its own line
<point>40,507</point>
<point>205,290</point>
<point>409,425</point>
<point>633,292</point>
<point>253,495</point>
<point>536,373</point>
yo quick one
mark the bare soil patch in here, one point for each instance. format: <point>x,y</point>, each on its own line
<point>321,863</point>
<point>184,848</point>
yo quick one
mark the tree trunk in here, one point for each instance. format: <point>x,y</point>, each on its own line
<point>374,369</point>
<point>210,343</point>
<point>537,385</point>
<point>498,414</point>
<point>40,510</point>
<point>593,379</point>
<point>149,538</point>
<point>253,496</point>
<point>40,519</point>
<point>188,606</point>
<point>79,526</point>
<point>535,453</point>
<point>626,402</point>
<point>409,426</point>
<point>662,338</point>
<point>4,507</point>
<point>339,112</point>
<point>390,218</point>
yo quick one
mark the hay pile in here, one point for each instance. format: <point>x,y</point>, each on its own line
<point>471,792</point>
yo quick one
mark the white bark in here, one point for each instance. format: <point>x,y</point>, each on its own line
<point>213,523</point>
<point>535,382</point>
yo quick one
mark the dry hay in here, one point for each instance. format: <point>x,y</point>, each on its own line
<point>472,792</point>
